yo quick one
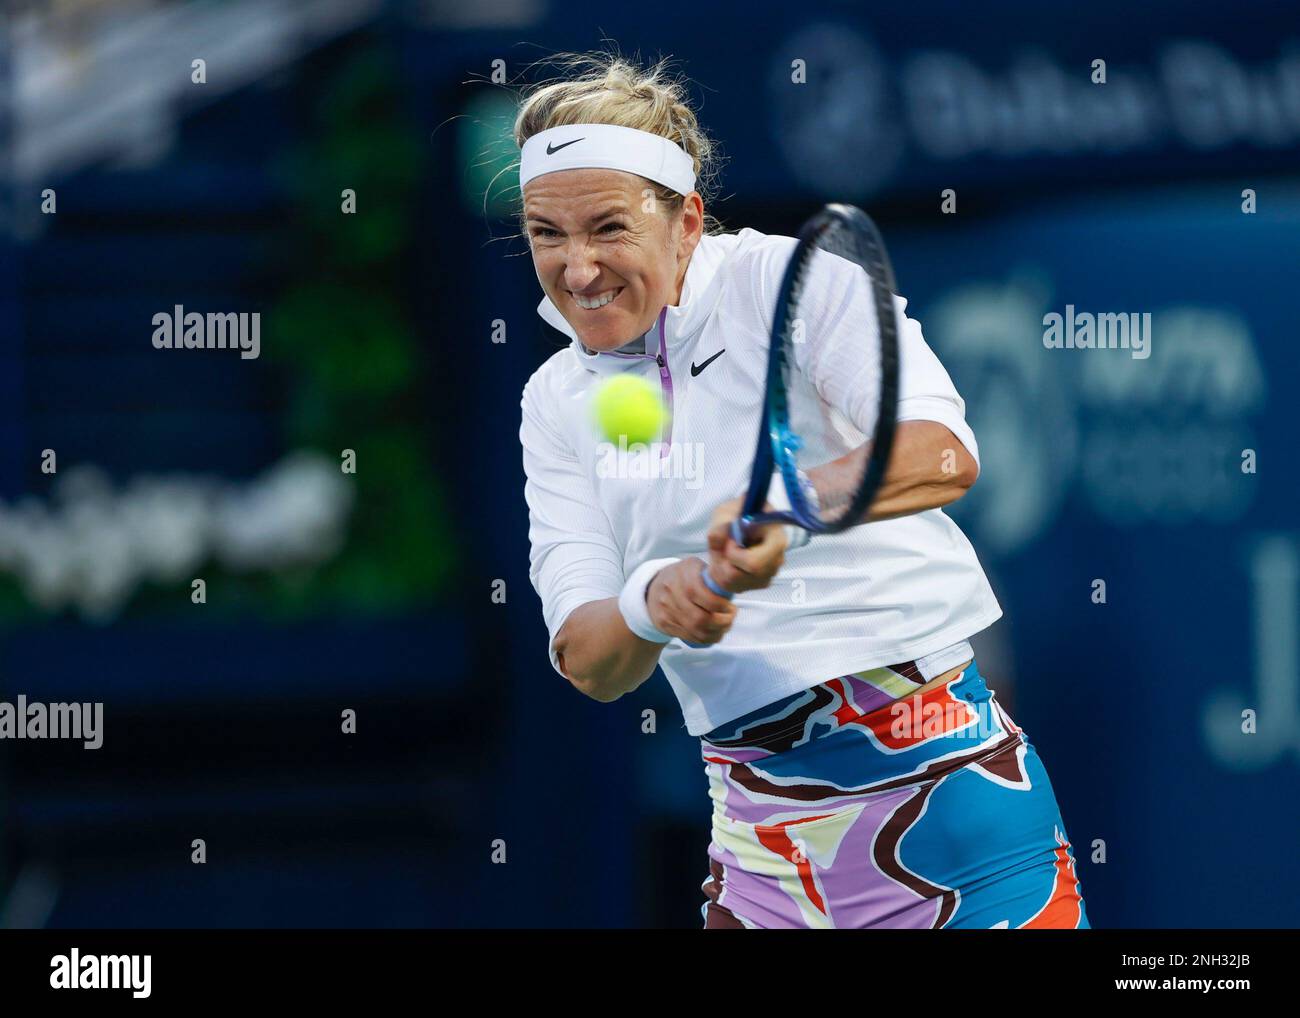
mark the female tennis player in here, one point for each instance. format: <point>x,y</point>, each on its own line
<point>862,773</point>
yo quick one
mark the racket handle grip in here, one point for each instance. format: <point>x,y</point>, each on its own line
<point>709,582</point>
<point>737,535</point>
<point>713,586</point>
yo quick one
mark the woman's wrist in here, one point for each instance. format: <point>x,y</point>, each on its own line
<point>632,600</point>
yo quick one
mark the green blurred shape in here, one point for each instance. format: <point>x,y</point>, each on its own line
<point>487,157</point>
<point>346,342</point>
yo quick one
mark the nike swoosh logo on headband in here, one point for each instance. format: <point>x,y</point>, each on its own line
<point>552,149</point>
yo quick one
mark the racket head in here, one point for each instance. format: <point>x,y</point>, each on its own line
<point>847,235</point>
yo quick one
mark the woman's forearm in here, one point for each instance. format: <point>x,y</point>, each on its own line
<point>600,655</point>
<point>928,468</point>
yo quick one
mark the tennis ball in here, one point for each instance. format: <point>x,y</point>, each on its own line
<point>628,407</point>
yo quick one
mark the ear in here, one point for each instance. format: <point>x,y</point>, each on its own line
<point>692,223</point>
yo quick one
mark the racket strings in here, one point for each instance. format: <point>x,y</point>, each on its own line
<point>847,350</point>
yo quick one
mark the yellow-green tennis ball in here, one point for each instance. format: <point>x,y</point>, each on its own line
<point>628,407</point>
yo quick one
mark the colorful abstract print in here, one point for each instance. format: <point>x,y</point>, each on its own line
<point>859,803</point>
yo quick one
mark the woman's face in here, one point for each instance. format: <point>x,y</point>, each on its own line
<point>592,242</point>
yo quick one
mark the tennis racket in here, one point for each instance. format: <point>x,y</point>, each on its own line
<point>834,232</point>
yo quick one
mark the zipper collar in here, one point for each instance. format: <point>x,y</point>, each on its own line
<point>656,349</point>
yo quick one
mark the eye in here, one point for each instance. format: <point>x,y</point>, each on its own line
<point>544,231</point>
<point>611,226</point>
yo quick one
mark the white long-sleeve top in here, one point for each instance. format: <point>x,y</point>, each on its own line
<point>880,593</point>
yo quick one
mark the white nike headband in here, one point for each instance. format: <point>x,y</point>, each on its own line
<point>607,147</point>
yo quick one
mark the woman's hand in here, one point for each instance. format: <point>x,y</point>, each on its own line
<point>681,605</point>
<point>737,568</point>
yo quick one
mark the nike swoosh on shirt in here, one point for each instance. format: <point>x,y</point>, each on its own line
<point>552,149</point>
<point>697,368</point>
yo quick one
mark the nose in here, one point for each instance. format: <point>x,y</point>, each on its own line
<point>580,268</point>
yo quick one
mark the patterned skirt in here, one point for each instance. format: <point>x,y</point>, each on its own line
<point>859,803</point>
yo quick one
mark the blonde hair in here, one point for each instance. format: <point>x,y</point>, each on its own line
<point>608,88</point>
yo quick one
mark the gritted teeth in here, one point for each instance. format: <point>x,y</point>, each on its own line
<point>599,300</point>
